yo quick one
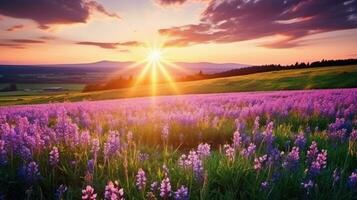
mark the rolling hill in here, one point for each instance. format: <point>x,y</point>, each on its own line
<point>313,78</point>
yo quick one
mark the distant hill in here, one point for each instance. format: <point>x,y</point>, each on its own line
<point>98,71</point>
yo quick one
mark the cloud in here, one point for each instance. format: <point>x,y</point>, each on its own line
<point>176,2</point>
<point>226,21</point>
<point>26,41</point>
<point>15,46</point>
<point>49,12</point>
<point>15,27</point>
<point>110,45</point>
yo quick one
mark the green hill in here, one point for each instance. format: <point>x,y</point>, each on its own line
<point>312,78</point>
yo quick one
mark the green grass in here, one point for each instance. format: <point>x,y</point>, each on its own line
<point>314,78</point>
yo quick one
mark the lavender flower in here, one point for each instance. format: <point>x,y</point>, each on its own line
<point>319,163</point>
<point>61,190</point>
<point>165,132</point>
<point>88,193</point>
<point>90,166</point>
<point>95,147</point>
<point>352,180</point>
<point>113,191</point>
<point>264,185</point>
<point>312,152</point>
<point>203,150</point>
<point>3,153</point>
<point>237,139</point>
<point>308,185</point>
<point>193,162</point>
<point>181,193</point>
<point>300,141</point>
<point>229,151</point>
<point>250,150</point>
<point>154,186</point>
<point>165,188</point>
<point>292,160</point>
<point>141,179</point>
<point>54,156</point>
<point>336,176</point>
<point>32,172</point>
<point>259,162</point>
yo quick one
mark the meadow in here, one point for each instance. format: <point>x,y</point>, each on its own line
<point>297,79</point>
<point>249,145</point>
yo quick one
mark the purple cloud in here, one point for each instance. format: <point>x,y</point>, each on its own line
<point>110,45</point>
<point>15,27</point>
<point>226,21</point>
<point>49,12</point>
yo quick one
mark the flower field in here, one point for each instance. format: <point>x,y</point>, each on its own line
<point>264,145</point>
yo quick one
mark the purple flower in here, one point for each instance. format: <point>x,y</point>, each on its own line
<point>259,162</point>
<point>203,150</point>
<point>193,162</point>
<point>352,180</point>
<point>90,166</point>
<point>256,126</point>
<point>237,139</point>
<point>141,179</point>
<point>319,163</point>
<point>32,172</point>
<point>300,141</point>
<point>292,159</point>
<point>336,176</point>
<point>95,147</point>
<point>353,136</point>
<point>264,185</point>
<point>112,146</point>
<point>154,186</point>
<point>308,185</point>
<point>312,152</point>
<point>60,191</point>
<point>250,150</point>
<point>165,132</point>
<point>229,151</point>
<point>143,157</point>
<point>88,193</point>
<point>3,153</point>
<point>165,188</point>
<point>54,156</point>
<point>113,191</point>
<point>181,193</point>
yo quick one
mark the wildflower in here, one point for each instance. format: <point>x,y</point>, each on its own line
<point>312,152</point>
<point>192,161</point>
<point>336,176</point>
<point>292,160</point>
<point>308,185</point>
<point>32,172</point>
<point>237,140</point>
<point>88,193</point>
<point>90,166</point>
<point>250,150</point>
<point>352,180</point>
<point>258,162</point>
<point>264,185</point>
<point>165,132</point>
<point>60,191</point>
<point>95,146</point>
<point>143,157</point>
<point>203,150</point>
<point>165,188</point>
<point>181,193</point>
<point>256,126</point>
<point>112,146</point>
<point>353,136</point>
<point>141,179</point>
<point>113,191</point>
<point>3,153</point>
<point>229,151</point>
<point>54,156</point>
<point>319,163</point>
<point>300,141</point>
<point>153,186</point>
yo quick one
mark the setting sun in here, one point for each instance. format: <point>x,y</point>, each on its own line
<point>155,56</point>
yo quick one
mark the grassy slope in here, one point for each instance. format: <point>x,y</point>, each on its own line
<point>316,78</point>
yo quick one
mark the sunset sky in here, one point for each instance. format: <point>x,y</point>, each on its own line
<point>241,31</point>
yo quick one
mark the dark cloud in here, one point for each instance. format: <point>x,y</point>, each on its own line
<point>47,37</point>
<point>26,41</point>
<point>170,2</point>
<point>225,21</point>
<point>15,46</point>
<point>48,12</point>
<point>15,27</point>
<point>110,45</point>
